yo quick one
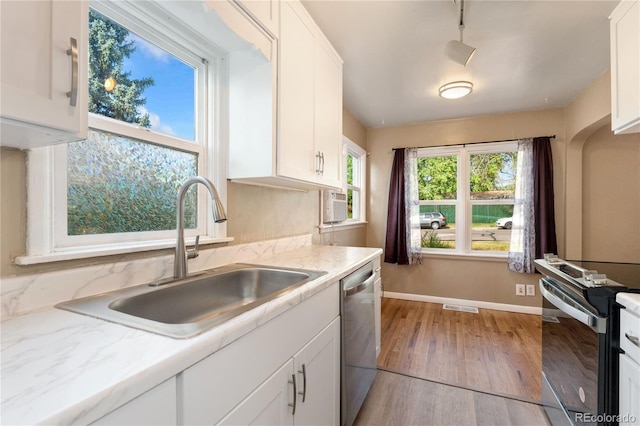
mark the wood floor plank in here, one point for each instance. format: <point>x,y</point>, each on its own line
<point>494,351</point>
<point>396,399</point>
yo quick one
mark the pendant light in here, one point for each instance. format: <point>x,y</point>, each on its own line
<point>456,50</point>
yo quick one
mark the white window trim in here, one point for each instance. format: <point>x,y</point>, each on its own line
<point>42,245</point>
<point>463,203</point>
<point>350,147</point>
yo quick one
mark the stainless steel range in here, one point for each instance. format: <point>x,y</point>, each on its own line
<point>580,344</point>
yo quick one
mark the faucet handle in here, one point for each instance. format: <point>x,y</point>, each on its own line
<point>193,252</point>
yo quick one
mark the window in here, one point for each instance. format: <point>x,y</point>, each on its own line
<point>152,125</point>
<point>354,182</point>
<point>355,166</point>
<point>355,178</point>
<point>466,197</point>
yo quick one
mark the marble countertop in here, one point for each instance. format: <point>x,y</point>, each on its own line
<point>60,367</point>
<point>631,301</point>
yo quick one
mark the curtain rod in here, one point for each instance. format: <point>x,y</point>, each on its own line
<point>474,143</point>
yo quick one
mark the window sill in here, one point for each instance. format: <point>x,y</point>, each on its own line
<point>323,229</point>
<point>497,257</point>
<point>109,250</point>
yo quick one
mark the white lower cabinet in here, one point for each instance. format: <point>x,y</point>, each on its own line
<point>629,392</point>
<point>248,381</point>
<point>629,408</point>
<point>156,407</point>
<point>317,372</point>
<point>270,404</point>
<point>304,391</point>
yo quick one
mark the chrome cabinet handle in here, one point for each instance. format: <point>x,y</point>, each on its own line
<point>322,163</point>
<point>318,163</point>
<point>73,52</point>
<point>633,339</point>
<point>304,382</point>
<point>295,394</point>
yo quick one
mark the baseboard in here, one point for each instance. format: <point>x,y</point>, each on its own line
<point>475,303</point>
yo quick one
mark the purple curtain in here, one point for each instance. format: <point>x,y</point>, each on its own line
<point>395,247</point>
<point>544,209</point>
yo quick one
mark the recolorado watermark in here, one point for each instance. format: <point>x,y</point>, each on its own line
<point>604,418</point>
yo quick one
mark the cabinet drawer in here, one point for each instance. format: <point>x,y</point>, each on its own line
<point>630,331</point>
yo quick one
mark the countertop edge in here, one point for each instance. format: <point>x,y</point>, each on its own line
<point>631,302</point>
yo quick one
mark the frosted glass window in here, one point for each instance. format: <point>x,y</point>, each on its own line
<point>118,184</point>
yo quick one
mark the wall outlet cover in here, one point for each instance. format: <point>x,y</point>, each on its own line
<point>531,290</point>
<point>520,290</point>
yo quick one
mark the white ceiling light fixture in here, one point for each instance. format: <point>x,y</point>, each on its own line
<point>455,89</point>
<point>456,50</point>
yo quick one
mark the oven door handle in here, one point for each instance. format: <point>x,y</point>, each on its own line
<point>561,300</point>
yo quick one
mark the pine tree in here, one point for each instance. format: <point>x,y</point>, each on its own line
<point>108,47</point>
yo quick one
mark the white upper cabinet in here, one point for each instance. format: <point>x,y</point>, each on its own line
<point>44,72</point>
<point>296,151</point>
<point>265,12</point>
<point>625,67</point>
<point>328,114</point>
<point>306,150</point>
<point>310,101</point>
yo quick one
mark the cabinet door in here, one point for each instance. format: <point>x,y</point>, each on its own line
<point>317,368</point>
<point>625,67</point>
<point>296,157</point>
<point>266,12</point>
<point>269,404</point>
<point>629,391</point>
<point>37,71</point>
<point>328,114</point>
<point>155,407</point>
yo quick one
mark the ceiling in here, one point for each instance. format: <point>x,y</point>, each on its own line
<point>530,55</point>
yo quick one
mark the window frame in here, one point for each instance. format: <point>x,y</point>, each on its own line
<point>463,202</point>
<point>46,167</point>
<point>359,165</point>
<point>357,152</point>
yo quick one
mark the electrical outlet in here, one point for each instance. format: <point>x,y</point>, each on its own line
<point>531,290</point>
<point>519,289</point>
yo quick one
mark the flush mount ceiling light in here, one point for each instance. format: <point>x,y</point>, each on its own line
<point>455,89</point>
<point>456,50</point>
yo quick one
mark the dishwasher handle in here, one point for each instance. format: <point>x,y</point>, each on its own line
<point>358,287</point>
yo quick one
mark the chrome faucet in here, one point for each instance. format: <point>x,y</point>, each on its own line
<point>180,262</point>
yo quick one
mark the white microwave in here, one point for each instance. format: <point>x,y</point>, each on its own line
<point>334,207</point>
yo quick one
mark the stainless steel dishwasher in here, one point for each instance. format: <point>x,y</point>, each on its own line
<point>358,340</point>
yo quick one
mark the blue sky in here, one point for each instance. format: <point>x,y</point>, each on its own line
<point>170,102</point>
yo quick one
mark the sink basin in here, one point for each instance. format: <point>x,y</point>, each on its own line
<point>190,306</point>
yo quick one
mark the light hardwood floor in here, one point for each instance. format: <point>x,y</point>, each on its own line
<point>398,400</point>
<point>441,367</point>
<point>491,351</point>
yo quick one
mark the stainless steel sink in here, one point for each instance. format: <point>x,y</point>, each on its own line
<point>192,305</point>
